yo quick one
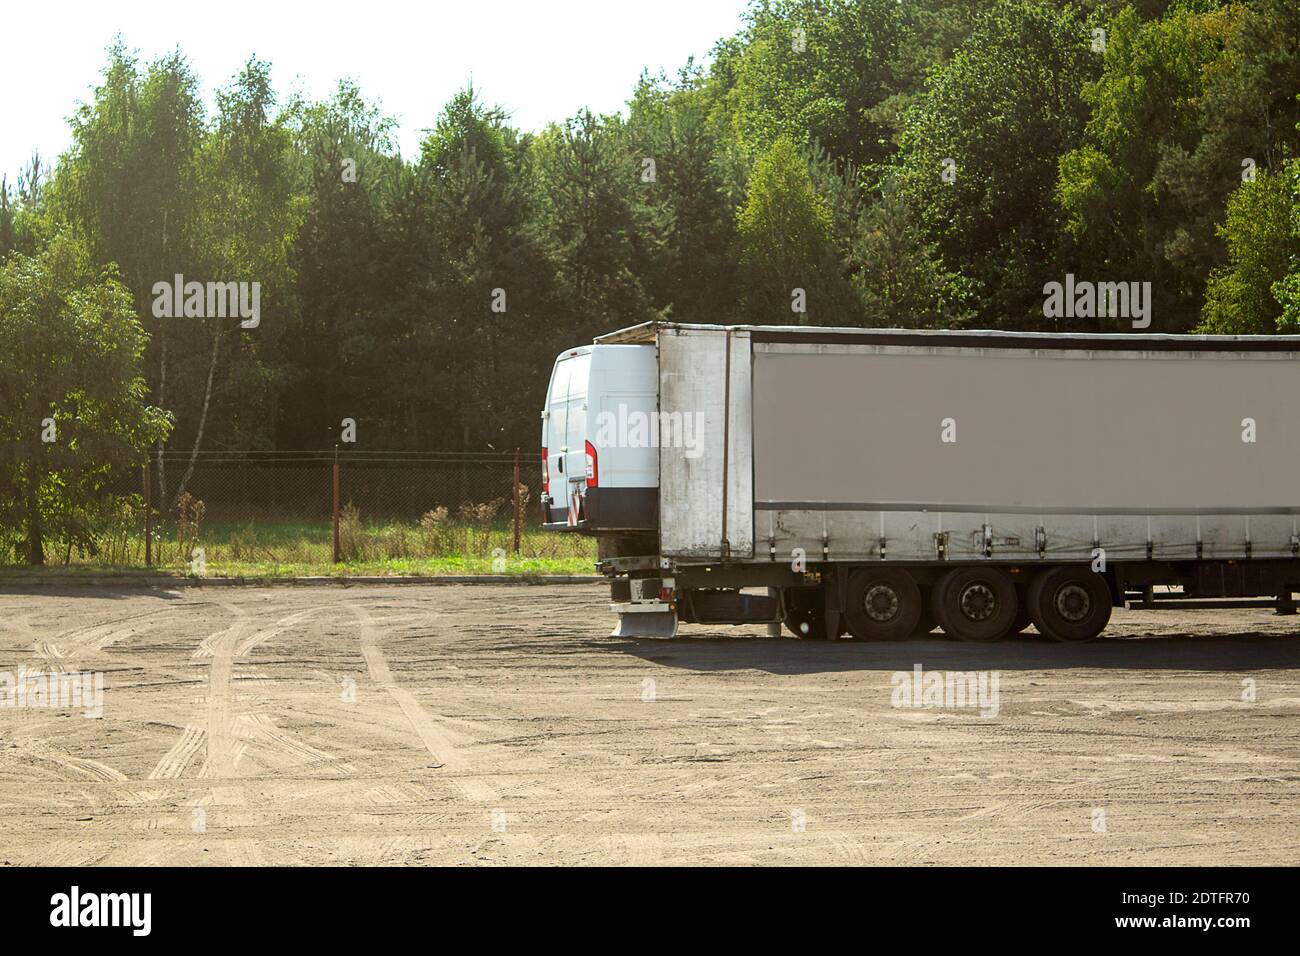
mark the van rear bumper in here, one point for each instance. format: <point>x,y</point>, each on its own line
<point>606,509</point>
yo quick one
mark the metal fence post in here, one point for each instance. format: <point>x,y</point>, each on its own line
<point>337,555</point>
<point>148,517</point>
<point>514,500</point>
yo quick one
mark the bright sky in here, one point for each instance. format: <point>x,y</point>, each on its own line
<point>539,60</point>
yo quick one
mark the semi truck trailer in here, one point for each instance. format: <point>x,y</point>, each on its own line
<point>879,483</point>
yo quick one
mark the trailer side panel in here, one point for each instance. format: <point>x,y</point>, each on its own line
<point>1016,453</point>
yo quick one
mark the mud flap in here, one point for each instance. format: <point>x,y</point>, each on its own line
<point>651,624</point>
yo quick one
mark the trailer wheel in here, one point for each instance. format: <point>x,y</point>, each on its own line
<point>1070,604</point>
<point>975,604</point>
<point>803,611</point>
<point>884,604</point>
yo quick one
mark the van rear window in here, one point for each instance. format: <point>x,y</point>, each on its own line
<point>560,380</point>
<point>580,372</point>
<point>570,378</point>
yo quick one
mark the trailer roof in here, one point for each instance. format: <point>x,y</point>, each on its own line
<point>647,332</point>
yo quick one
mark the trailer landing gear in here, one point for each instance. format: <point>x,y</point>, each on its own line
<point>652,621</point>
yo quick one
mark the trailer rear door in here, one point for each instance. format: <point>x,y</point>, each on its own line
<point>706,487</point>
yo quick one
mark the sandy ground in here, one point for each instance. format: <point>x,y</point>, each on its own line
<point>497,724</point>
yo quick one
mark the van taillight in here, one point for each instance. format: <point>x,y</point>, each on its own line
<point>593,475</point>
<point>546,473</point>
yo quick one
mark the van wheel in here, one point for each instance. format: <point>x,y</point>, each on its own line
<point>1070,604</point>
<point>884,604</point>
<point>803,611</point>
<point>975,604</point>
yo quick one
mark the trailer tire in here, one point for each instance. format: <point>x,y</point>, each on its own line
<point>1070,604</point>
<point>884,604</point>
<point>975,604</point>
<point>803,611</point>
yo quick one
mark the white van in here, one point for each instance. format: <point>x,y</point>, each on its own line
<point>599,470</point>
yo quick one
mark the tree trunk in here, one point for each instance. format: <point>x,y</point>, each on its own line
<point>35,533</point>
<point>162,403</point>
<point>162,369</point>
<point>203,416</point>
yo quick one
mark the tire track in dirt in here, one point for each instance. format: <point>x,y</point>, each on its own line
<point>50,653</point>
<point>93,769</point>
<point>193,740</point>
<point>275,630</point>
<point>174,761</point>
<point>642,849</point>
<point>259,733</point>
<point>261,729</point>
<point>70,644</point>
<point>436,740</point>
<point>222,760</point>
<point>225,736</point>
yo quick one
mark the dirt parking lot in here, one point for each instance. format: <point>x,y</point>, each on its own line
<point>498,724</point>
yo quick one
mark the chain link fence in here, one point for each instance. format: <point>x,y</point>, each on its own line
<point>401,509</point>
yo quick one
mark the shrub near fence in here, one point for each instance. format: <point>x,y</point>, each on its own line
<point>399,509</point>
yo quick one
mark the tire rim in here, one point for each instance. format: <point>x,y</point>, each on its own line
<point>880,603</point>
<point>978,602</point>
<point>1073,603</point>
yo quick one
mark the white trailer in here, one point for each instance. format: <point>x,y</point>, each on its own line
<point>881,482</point>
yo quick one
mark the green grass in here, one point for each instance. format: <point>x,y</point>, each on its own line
<point>283,549</point>
<point>429,567</point>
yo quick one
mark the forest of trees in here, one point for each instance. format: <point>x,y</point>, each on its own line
<point>918,163</point>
